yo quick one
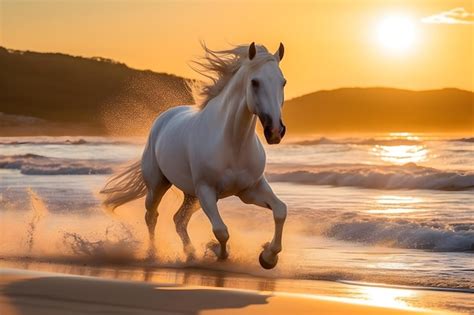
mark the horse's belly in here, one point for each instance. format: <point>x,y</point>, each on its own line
<point>175,166</point>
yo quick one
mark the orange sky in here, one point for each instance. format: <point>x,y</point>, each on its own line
<point>329,44</point>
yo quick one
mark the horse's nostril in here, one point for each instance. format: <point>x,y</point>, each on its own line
<point>282,130</point>
<point>267,131</point>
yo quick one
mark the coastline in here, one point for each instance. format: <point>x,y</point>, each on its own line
<point>28,292</point>
<point>168,291</point>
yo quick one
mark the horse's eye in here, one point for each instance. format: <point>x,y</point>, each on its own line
<point>255,83</point>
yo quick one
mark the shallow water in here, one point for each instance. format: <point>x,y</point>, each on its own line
<point>396,209</point>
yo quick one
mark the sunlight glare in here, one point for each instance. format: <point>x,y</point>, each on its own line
<point>392,199</point>
<point>401,154</point>
<point>391,211</point>
<point>396,33</point>
<point>386,297</point>
<point>404,135</point>
<point>393,205</point>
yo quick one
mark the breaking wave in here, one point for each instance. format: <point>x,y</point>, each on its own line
<point>66,141</point>
<point>33,164</point>
<point>370,141</point>
<point>469,140</point>
<point>407,176</point>
<point>403,235</point>
<point>373,141</point>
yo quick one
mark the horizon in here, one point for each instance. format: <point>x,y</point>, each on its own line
<point>409,45</point>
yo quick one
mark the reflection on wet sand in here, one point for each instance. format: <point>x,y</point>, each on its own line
<point>182,276</point>
<point>374,296</point>
<point>386,296</point>
<point>347,292</point>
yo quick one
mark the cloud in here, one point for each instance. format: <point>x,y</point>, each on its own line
<point>454,16</point>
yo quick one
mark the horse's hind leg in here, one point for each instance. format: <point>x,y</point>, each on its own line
<point>157,185</point>
<point>181,219</point>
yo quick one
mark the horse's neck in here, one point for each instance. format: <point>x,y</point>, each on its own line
<point>238,122</point>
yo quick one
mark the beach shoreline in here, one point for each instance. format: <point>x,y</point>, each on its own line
<point>48,289</point>
<point>35,292</point>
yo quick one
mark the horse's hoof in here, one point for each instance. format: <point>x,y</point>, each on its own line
<point>151,253</point>
<point>223,257</point>
<point>191,258</point>
<point>215,247</point>
<point>265,264</point>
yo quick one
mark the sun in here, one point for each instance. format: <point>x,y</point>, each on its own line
<point>396,33</point>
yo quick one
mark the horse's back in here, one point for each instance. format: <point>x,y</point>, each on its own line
<point>172,115</point>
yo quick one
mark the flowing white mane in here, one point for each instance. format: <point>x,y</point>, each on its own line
<point>219,66</point>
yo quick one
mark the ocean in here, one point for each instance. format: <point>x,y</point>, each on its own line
<point>394,210</point>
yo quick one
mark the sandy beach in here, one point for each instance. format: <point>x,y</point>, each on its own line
<point>31,292</point>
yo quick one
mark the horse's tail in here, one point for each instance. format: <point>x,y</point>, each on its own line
<point>124,187</point>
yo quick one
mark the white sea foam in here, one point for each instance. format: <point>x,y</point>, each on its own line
<point>369,141</point>
<point>61,141</point>
<point>33,164</point>
<point>402,235</point>
<point>408,176</point>
<point>469,140</point>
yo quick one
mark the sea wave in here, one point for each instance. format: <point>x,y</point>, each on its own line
<point>44,142</point>
<point>469,140</point>
<point>410,235</point>
<point>407,176</point>
<point>67,141</point>
<point>33,164</point>
<point>370,141</point>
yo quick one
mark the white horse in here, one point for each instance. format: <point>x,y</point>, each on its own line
<point>211,151</point>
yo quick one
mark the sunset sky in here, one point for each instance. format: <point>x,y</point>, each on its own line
<point>329,44</point>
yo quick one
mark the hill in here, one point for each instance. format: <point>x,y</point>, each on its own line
<point>58,94</point>
<point>81,95</point>
<point>381,110</point>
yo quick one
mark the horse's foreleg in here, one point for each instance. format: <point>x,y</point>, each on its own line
<point>262,195</point>
<point>208,200</point>
<point>181,219</point>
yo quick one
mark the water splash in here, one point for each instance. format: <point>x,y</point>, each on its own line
<point>38,212</point>
<point>118,245</point>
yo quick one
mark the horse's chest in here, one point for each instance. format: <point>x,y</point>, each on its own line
<point>233,181</point>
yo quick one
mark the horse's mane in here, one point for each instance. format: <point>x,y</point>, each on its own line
<point>219,66</point>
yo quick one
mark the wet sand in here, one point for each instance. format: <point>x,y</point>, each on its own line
<point>32,292</point>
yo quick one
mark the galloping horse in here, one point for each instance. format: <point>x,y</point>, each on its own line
<point>211,151</point>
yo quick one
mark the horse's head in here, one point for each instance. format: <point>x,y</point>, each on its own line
<point>265,93</point>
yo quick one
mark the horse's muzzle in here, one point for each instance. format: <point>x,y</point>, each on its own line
<point>273,135</point>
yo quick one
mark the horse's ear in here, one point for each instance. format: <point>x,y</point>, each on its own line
<point>252,51</point>
<point>280,52</point>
